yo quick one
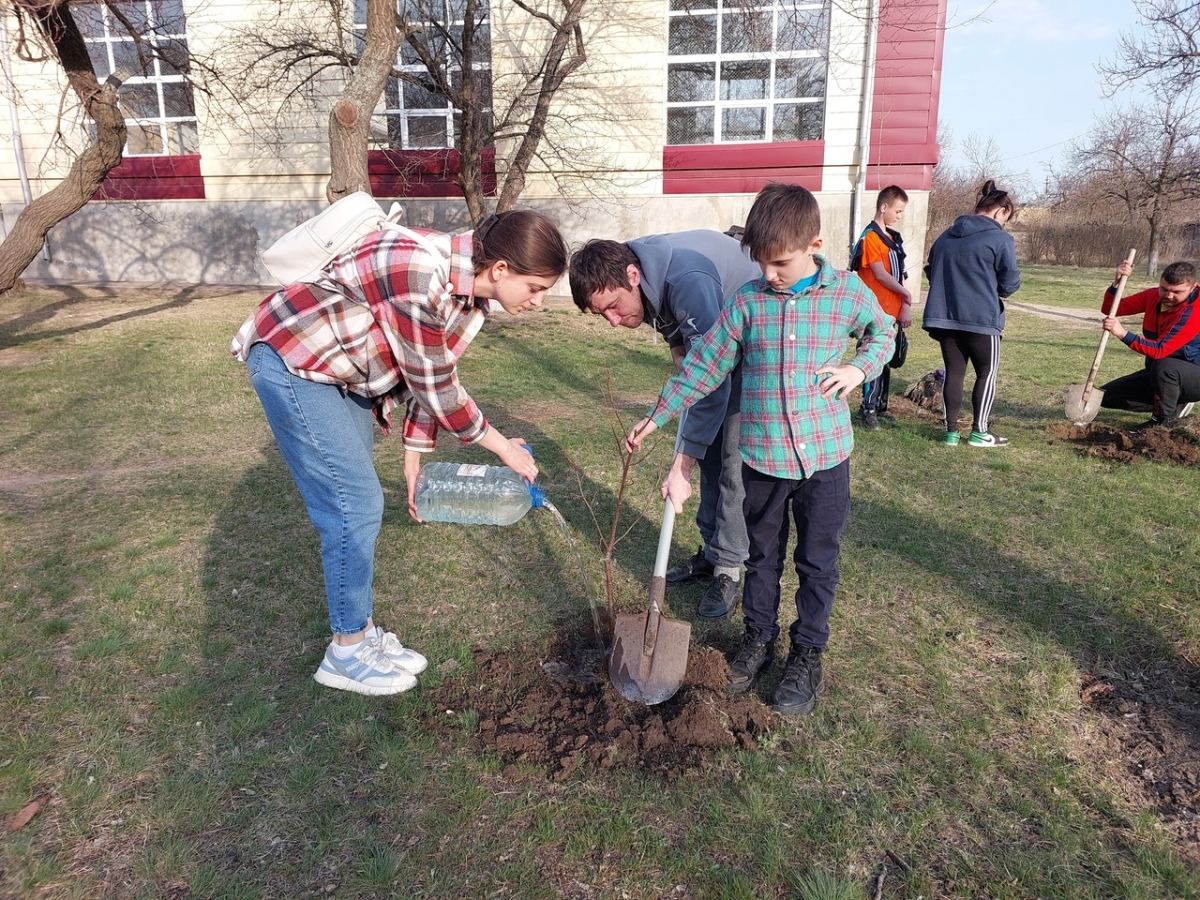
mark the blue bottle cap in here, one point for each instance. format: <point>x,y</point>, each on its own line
<point>535,490</point>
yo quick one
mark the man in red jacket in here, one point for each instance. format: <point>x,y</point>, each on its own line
<point>1170,342</point>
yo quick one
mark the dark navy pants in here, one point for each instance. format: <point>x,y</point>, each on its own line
<point>819,506</point>
<point>1167,385</point>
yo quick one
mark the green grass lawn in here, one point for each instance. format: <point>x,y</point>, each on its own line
<point>162,615</point>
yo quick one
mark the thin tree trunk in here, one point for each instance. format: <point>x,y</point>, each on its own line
<point>350,119</point>
<point>555,72</point>
<point>90,167</point>
<point>1152,255</point>
<point>472,139</point>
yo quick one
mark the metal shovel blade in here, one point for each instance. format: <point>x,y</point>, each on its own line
<point>650,652</point>
<point>1078,412</point>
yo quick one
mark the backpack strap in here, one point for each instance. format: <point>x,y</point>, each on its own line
<point>441,264</point>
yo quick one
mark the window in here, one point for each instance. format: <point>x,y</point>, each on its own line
<point>412,115</point>
<point>746,70</point>
<point>155,96</point>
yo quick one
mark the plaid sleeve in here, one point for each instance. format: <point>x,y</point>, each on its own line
<point>704,368</point>
<point>872,326</point>
<point>422,327</point>
<point>420,428</point>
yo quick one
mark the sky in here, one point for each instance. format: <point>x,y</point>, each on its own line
<point>1023,72</point>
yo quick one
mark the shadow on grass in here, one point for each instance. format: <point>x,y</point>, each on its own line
<point>262,569</point>
<point>1098,637</point>
<point>16,331</point>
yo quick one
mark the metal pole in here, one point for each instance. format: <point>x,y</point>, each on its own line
<point>18,143</point>
<point>864,118</point>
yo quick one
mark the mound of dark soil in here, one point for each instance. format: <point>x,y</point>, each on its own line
<point>1147,741</point>
<point>564,714</point>
<point>1171,445</point>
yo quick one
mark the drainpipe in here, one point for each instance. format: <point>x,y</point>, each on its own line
<point>18,143</point>
<point>864,119</point>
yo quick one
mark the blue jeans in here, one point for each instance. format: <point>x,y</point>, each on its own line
<point>719,516</point>
<point>820,506</point>
<point>326,437</point>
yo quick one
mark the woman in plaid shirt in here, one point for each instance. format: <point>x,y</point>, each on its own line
<point>790,330</point>
<point>381,328</point>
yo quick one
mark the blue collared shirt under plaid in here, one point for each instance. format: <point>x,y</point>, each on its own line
<point>789,430</point>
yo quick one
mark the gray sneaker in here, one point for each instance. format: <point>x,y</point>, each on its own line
<point>368,671</point>
<point>402,657</point>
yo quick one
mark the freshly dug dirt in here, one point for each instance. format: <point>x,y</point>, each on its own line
<point>1146,741</point>
<point>563,714</point>
<point>1170,445</point>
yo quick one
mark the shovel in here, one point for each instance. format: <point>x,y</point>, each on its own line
<point>1083,400</point>
<point>650,652</point>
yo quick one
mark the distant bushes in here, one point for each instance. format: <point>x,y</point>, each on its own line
<point>1091,244</point>
<point>1080,243</point>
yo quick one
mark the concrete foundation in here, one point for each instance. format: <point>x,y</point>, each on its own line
<point>218,241</point>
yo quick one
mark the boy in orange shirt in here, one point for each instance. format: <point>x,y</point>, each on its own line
<point>878,258</point>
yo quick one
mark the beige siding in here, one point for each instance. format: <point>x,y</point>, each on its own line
<point>262,175</point>
<point>844,104</point>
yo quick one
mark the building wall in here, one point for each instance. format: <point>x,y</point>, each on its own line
<point>261,177</point>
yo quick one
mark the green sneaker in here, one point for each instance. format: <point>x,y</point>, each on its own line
<point>951,439</point>
<point>986,439</point>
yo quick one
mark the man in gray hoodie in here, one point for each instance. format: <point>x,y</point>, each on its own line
<point>678,283</point>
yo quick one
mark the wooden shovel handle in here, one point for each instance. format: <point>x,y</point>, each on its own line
<point>1112,311</point>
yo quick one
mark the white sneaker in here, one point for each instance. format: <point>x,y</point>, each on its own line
<point>369,671</point>
<point>402,657</point>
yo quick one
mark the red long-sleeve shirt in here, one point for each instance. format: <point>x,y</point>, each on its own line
<point>1165,332</point>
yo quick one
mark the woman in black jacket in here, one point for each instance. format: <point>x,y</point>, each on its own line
<point>972,267</point>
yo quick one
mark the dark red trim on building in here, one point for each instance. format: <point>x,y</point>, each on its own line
<point>424,173</point>
<point>904,108</point>
<point>741,168</point>
<point>154,178</point>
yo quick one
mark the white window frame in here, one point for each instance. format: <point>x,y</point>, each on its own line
<point>101,49</point>
<point>779,10</point>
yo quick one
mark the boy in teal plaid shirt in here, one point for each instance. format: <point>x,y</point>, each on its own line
<point>790,329</point>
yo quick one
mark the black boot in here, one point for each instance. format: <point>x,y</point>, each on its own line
<point>720,598</point>
<point>1152,422</point>
<point>694,568</point>
<point>752,658</point>
<point>802,682</point>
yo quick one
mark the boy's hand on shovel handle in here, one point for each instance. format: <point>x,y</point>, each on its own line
<point>677,488</point>
<point>1124,270</point>
<point>1114,327</point>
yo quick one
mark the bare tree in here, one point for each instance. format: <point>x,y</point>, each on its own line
<point>955,186</point>
<point>527,114</point>
<point>350,118</point>
<point>445,46</point>
<point>46,29</point>
<point>1148,159</point>
<point>1166,52</point>
<point>984,159</point>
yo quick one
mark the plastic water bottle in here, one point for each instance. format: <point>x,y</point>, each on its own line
<point>474,495</point>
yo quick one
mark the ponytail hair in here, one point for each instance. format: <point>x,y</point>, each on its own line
<point>991,197</point>
<point>528,241</point>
